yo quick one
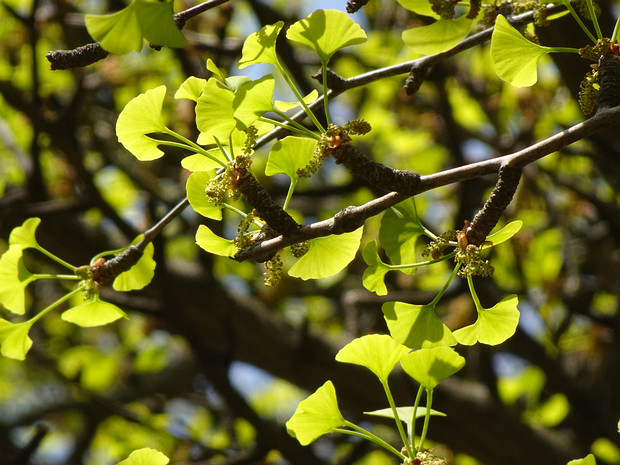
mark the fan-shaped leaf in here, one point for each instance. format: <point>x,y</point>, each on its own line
<point>437,37</point>
<point>308,99</point>
<point>373,278</point>
<point>145,456</point>
<point>400,230</point>
<point>421,7</point>
<point>93,313</point>
<point>416,326</point>
<point>212,243</point>
<point>315,416</point>
<point>326,32</point>
<point>24,235</point>
<point>327,256</point>
<point>156,19</point>
<point>195,187</point>
<point>139,275</point>
<point>505,233</point>
<point>494,325</point>
<point>14,277</point>
<point>214,111</point>
<point>119,32</point>
<point>288,155</point>
<point>14,339</point>
<point>142,116</point>
<point>252,100</point>
<point>430,366</point>
<point>191,88</point>
<point>377,352</point>
<point>260,47</point>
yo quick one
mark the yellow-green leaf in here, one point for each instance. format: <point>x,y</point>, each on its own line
<point>14,340</point>
<point>437,37</point>
<point>145,456</point>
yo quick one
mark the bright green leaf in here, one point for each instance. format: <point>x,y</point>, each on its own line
<point>214,111</point>
<point>196,184</point>
<point>119,32</point>
<point>430,366</point>
<point>200,162</point>
<point>373,278</point>
<point>14,339</point>
<point>587,460</point>
<point>308,99</point>
<point>326,32</point>
<point>327,256</point>
<point>505,233</point>
<point>93,313</point>
<point>191,88</point>
<point>377,352</point>
<point>212,243</point>
<point>14,277</point>
<point>141,116</point>
<point>260,47</point>
<point>145,456</point>
<point>140,274</point>
<point>217,73</point>
<point>157,23</point>
<point>404,413</point>
<point>514,56</point>
<point>437,37</point>
<point>24,235</point>
<point>252,100</point>
<point>416,326</point>
<point>400,230</point>
<point>315,416</point>
<point>494,325</point>
<point>288,155</point>
<point>421,7</point>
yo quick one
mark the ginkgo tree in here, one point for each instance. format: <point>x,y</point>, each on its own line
<point>244,160</point>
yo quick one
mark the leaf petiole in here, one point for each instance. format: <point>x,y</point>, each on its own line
<point>399,423</point>
<point>53,257</point>
<point>427,418</point>
<point>52,306</point>
<point>189,145</point>
<point>362,433</point>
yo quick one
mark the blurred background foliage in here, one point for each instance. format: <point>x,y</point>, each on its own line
<point>211,363</point>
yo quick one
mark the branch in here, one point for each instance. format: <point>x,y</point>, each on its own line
<point>93,52</point>
<point>352,218</point>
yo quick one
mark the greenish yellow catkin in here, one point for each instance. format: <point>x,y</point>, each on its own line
<point>588,90</point>
<point>273,270</point>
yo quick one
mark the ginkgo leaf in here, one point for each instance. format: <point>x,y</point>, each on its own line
<point>260,47</point>
<point>405,414</point>
<point>587,460</point>
<point>421,7</point>
<point>24,235</point>
<point>14,340</point>
<point>252,100</point>
<point>373,278</point>
<point>212,243</point>
<point>140,274</point>
<point>399,232</point>
<point>315,416</point>
<point>195,188</point>
<point>217,73</point>
<point>437,37</point>
<point>124,31</point>
<point>327,256</point>
<point>377,352</point>
<point>145,456</point>
<point>326,32</point>
<point>200,162</point>
<point>14,277</point>
<point>286,106</point>
<point>515,58</point>
<point>142,116</point>
<point>214,112</point>
<point>416,326</point>
<point>494,325</point>
<point>191,88</point>
<point>430,366</point>
<point>93,313</point>
<point>505,233</point>
<point>288,155</point>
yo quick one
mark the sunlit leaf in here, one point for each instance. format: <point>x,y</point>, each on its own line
<point>327,256</point>
<point>315,416</point>
<point>93,313</point>
<point>214,111</point>
<point>119,32</point>
<point>587,460</point>
<point>377,352</point>
<point>260,47</point>
<point>217,73</point>
<point>200,162</point>
<point>437,37</point>
<point>24,235</point>
<point>308,99</point>
<point>421,7</point>
<point>157,23</point>
<point>252,100</point>
<point>14,339</point>
<point>139,275</point>
<point>145,456</point>
<point>326,32</point>
<point>405,414</point>
<point>14,277</point>
<point>288,155</point>
<point>141,116</point>
<point>494,325</point>
<point>514,56</point>
<point>191,88</point>
<point>196,184</point>
<point>212,243</point>
<point>400,230</point>
<point>505,233</point>
<point>373,278</point>
<point>416,326</point>
<point>430,366</point>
